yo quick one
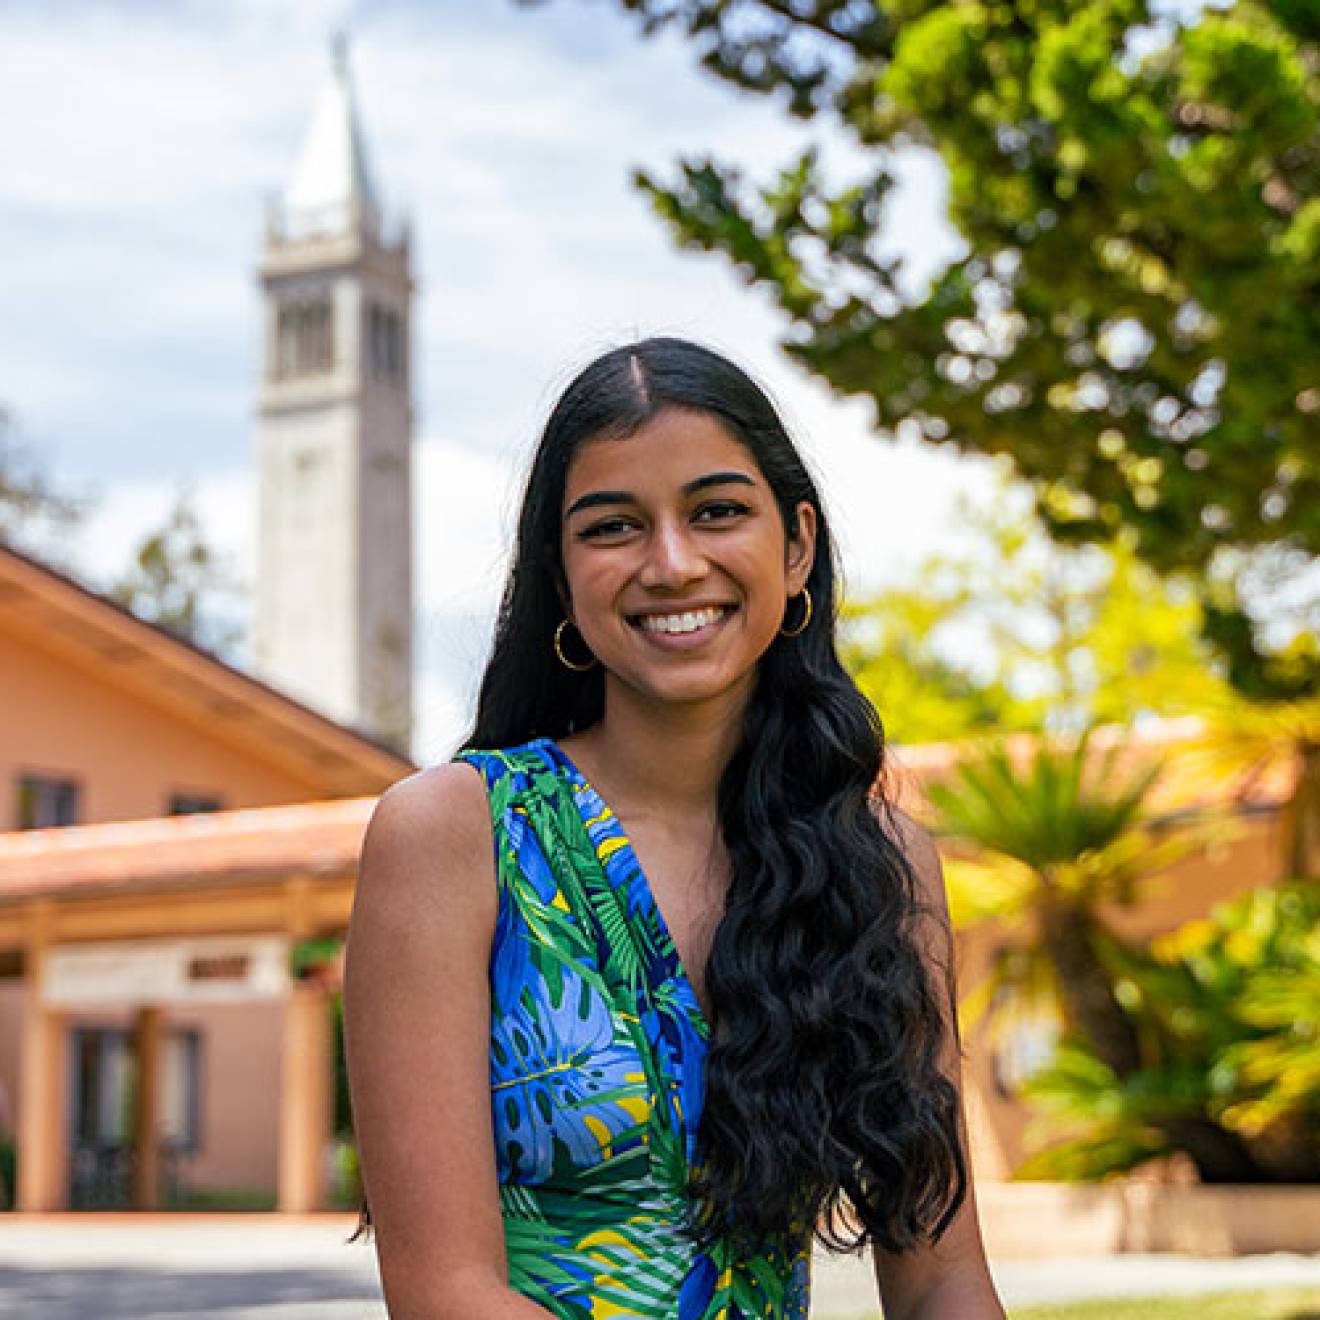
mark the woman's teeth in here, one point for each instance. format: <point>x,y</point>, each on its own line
<point>680,623</point>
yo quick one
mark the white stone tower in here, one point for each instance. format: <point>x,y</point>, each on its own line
<point>333,622</point>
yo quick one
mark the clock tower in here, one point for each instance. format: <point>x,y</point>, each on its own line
<point>333,622</point>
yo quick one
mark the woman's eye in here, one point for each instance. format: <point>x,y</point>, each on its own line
<point>723,509</point>
<point>720,510</point>
<point>606,528</point>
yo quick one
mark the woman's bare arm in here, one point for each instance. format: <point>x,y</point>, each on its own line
<point>951,1280</point>
<point>417,1039</point>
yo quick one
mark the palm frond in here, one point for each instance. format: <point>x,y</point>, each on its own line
<point>1047,812</point>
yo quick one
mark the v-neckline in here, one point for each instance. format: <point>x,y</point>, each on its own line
<point>626,847</point>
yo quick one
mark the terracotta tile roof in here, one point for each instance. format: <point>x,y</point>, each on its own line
<point>316,838</point>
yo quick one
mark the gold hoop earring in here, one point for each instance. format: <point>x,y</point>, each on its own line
<point>559,651</point>
<point>806,617</point>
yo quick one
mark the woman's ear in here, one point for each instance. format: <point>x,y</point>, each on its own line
<point>802,547</point>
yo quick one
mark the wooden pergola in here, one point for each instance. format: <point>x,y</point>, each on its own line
<point>230,891</point>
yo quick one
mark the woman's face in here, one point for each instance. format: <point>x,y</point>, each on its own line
<point>677,520</point>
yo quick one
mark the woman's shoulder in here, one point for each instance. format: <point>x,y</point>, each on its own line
<point>447,805</point>
<point>434,816</point>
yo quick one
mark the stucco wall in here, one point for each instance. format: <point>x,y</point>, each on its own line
<point>240,1095</point>
<point>126,755</point>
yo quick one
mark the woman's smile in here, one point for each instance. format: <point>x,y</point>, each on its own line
<point>683,629</point>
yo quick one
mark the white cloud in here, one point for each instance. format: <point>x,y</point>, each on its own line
<point>464,510</point>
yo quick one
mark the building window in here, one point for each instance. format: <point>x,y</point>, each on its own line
<point>384,343</point>
<point>193,804</point>
<point>101,1153</point>
<point>304,338</point>
<point>104,1082</point>
<point>44,802</point>
<point>103,1095</point>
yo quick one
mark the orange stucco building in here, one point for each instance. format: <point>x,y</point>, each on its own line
<point>169,829</point>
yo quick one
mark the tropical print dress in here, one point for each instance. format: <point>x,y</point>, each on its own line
<point>597,1057</point>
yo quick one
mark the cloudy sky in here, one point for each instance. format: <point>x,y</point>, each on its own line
<point>140,141</point>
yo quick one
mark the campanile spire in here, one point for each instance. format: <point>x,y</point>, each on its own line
<point>332,185</point>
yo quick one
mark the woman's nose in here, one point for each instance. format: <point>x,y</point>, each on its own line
<point>671,557</point>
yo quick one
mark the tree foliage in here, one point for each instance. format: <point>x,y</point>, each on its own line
<point>177,581</point>
<point>1014,634</point>
<point>1135,318</point>
<point>1226,1011</point>
<point>1061,841</point>
<point>1055,839</point>
<point>1009,632</point>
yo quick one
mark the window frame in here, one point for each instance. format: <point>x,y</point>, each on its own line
<point>69,786</point>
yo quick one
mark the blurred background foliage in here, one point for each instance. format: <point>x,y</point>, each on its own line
<point>1227,1015</point>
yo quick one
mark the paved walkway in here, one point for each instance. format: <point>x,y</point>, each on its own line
<point>268,1267</point>
<point>845,1288</point>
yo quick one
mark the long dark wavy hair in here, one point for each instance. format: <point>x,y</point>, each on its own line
<point>826,1108</point>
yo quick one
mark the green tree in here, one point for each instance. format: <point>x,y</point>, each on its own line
<point>1054,839</point>
<point>176,581</point>
<point>1059,842</point>
<point>1135,318</point>
<point>1014,633</point>
<point>1018,634</point>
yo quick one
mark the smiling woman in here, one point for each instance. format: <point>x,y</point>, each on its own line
<point>609,1069</point>
<point>664,564</point>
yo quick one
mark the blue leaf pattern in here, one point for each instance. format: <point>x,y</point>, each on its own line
<point>598,1047</point>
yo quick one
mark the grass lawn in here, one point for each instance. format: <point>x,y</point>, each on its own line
<point>1276,1304</point>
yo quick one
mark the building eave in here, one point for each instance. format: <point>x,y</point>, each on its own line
<point>55,613</point>
<point>318,839</point>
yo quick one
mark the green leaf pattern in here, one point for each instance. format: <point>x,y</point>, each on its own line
<point>598,1049</point>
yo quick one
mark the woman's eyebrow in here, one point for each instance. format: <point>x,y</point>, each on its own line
<point>595,497</point>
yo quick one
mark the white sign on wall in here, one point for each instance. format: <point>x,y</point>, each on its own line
<point>207,970</point>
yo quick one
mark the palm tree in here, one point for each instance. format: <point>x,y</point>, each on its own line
<point>1052,845</point>
<point>1057,841</point>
